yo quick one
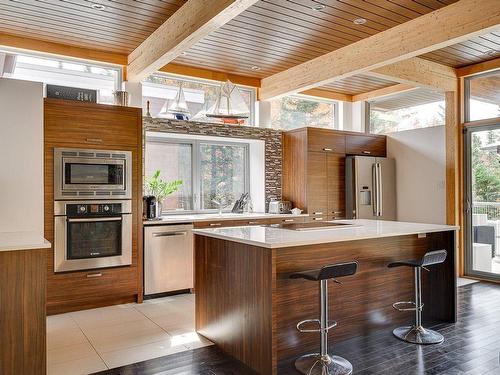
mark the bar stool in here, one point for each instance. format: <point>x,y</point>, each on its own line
<point>322,363</point>
<point>417,334</point>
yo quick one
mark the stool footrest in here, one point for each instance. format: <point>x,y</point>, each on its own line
<point>331,324</point>
<point>403,306</point>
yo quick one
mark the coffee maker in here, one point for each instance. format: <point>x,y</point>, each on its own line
<point>149,207</point>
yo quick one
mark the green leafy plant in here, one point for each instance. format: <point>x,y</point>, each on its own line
<point>160,188</point>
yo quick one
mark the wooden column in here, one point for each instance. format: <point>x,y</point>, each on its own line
<point>452,156</point>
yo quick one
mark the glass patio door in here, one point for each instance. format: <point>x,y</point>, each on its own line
<point>482,201</point>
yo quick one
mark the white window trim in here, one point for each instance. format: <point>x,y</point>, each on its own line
<point>195,143</point>
<point>250,89</point>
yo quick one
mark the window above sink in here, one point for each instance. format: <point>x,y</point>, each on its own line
<point>213,169</point>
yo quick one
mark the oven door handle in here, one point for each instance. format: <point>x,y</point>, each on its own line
<point>95,219</point>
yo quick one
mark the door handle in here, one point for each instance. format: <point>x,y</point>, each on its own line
<point>327,149</point>
<point>366,152</point>
<point>169,234</point>
<point>379,189</point>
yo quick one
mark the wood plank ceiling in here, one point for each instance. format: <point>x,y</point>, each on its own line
<point>120,27</point>
<point>269,37</point>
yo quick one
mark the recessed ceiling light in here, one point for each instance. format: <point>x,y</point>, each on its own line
<point>359,21</point>
<point>98,6</point>
<point>491,52</point>
<point>255,68</point>
<point>184,53</point>
<point>317,6</point>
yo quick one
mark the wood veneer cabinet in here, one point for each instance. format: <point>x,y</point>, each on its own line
<point>23,283</point>
<point>95,126</point>
<point>314,168</point>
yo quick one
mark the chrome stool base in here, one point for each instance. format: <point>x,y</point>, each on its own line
<point>418,335</point>
<point>316,364</point>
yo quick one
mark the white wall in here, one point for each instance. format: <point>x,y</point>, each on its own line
<point>357,117</point>
<point>420,174</point>
<point>21,156</point>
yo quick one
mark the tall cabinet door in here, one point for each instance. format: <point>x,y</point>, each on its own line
<point>317,183</point>
<point>335,167</point>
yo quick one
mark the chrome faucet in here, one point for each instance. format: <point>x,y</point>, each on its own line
<point>219,204</point>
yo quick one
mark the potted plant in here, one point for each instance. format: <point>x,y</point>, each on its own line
<point>161,189</point>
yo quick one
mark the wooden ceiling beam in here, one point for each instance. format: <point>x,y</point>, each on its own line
<point>449,25</point>
<point>386,91</point>
<point>327,94</point>
<point>419,72</point>
<point>482,67</point>
<point>188,25</point>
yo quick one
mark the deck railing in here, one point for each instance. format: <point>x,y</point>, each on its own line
<point>492,209</point>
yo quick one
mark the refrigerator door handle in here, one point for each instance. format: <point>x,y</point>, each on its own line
<point>379,189</point>
<point>374,190</point>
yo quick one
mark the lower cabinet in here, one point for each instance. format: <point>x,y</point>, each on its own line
<point>23,280</point>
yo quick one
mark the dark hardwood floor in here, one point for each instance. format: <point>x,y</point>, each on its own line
<point>472,346</point>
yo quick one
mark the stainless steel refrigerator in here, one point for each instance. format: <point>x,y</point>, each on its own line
<point>370,188</point>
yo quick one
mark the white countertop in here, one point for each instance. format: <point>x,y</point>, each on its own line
<point>174,219</point>
<point>364,229</point>
<point>10,241</point>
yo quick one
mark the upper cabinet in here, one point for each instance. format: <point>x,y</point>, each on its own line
<point>325,140</point>
<point>367,145</point>
<point>97,125</point>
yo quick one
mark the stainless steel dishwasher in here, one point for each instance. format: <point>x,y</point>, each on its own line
<point>168,258</point>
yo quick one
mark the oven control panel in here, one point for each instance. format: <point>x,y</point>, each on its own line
<point>91,209</point>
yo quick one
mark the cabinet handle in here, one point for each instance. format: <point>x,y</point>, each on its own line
<point>90,275</point>
<point>253,222</point>
<point>317,218</point>
<point>336,212</point>
<point>288,220</point>
<point>367,152</point>
<point>169,234</point>
<point>318,213</point>
<point>215,224</point>
<point>93,140</point>
<point>327,149</point>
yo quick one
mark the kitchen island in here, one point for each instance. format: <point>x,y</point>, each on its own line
<point>248,306</point>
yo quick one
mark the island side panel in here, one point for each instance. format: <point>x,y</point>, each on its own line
<point>234,285</point>
<point>363,303</point>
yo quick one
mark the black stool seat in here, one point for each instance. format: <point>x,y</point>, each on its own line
<point>430,258</point>
<point>331,271</point>
<point>416,333</point>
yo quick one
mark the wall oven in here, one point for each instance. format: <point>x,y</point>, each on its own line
<point>92,174</point>
<point>92,234</point>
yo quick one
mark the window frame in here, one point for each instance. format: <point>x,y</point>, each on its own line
<point>467,93</point>
<point>35,54</point>
<point>196,170</point>
<point>249,89</point>
<point>334,103</point>
<point>367,126</point>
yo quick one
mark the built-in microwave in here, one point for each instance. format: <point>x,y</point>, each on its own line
<point>92,174</point>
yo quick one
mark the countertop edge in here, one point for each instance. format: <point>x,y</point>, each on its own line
<point>172,220</point>
<point>31,246</point>
<point>210,233</point>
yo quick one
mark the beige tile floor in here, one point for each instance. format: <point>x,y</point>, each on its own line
<point>87,341</point>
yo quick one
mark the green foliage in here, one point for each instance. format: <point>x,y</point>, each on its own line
<point>159,188</point>
<point>486,170</point>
